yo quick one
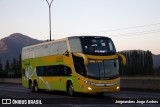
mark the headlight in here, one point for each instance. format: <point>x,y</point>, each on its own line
<point>89,88</point>
<point>118,88</point>
<point>88,82</point>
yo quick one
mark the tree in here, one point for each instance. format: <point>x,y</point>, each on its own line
<point>138,63</point>
<point>19,66</point>
<point>1,66</point>
<point>14,64</point>
<point>7,66</point>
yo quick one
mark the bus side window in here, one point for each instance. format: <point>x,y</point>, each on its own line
<point>64,70</point>
<point>61,70</point>
<point>62,47</point>
<point>45,50</point>
<point>53,70</point>
<point>53,49</point>
<point>40,71</point>
<point>79,65</point>
<point>67,71</point>
<point>75,45</point>
<point>37,71</point>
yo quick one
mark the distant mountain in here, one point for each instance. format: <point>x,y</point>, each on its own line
<point>11,46</point>
<point>156,58</point>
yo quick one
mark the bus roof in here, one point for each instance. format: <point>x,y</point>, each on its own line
<point>87,36</point>
<point>71,37</point>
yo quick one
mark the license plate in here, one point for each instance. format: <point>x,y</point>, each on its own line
<point>104,90</point>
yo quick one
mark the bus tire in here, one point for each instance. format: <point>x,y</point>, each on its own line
<point>30,85</point>
<point>35,86</point>
<point>70,88</point>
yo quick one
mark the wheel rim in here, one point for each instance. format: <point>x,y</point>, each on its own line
<point>71,89</point>
<point>30,86</point>
<point>36,87</point>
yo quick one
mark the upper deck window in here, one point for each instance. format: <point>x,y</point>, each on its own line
<point>75,45</point>
<point>100,46</point>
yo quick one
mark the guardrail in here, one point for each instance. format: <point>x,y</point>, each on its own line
<point>151,83</point>
<point>11,80</point>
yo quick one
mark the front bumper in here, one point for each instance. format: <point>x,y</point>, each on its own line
<point>101,87</point>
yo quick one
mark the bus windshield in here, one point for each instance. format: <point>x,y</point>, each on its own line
<point>100,46</point>
<point>102,69</point>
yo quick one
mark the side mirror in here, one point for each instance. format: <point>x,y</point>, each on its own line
<point>66,53</point>
<point>123,58</point>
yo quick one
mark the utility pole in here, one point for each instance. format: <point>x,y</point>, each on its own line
<point>49,5</point>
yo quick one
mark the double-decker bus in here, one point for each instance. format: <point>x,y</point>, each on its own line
<point>87,64</point>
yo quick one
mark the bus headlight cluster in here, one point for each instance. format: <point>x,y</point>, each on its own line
<point>88,82</point>
<point>89,88</point>
<point>117,88</point>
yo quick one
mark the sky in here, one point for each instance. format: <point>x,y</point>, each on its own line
<point>131,24</point>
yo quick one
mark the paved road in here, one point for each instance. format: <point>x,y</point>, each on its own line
<point>138,99</point>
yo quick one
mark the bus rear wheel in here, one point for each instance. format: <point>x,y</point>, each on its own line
<point>30,84</point>
<point>70,89</point>
<point>35,86</point>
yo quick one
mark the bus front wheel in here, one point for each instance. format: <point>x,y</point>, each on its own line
<point>70,89</point>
